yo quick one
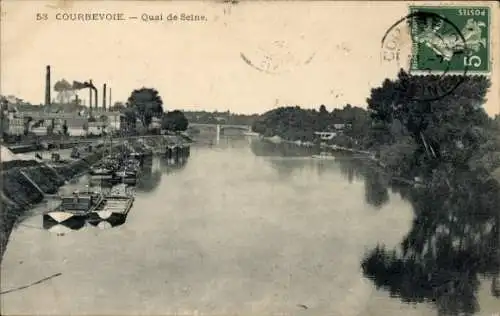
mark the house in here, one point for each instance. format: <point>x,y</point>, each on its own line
<point>96,128</point>
<point>324,136</point>
<point>113,119</point>
<point>14,123</point>
<point>341,127</point>
<point>76,126</point>
<point>39,130</point>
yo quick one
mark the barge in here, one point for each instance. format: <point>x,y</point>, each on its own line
<point>114,207</point>
<point>74,207</point>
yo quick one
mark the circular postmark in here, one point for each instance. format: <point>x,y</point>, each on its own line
<point>430,48</point>
<point>276,57</point>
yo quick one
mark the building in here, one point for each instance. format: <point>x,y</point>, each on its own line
<point>113,119</point>
<point>332,131</point>
<point>39,130</point>
<point>76,126</point>
<point>14,124</point>
<point>325,136</point>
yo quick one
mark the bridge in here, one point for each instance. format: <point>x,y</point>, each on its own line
<point>246,128</point>
<point>219,128</point>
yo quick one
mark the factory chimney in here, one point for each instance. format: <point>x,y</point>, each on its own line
<point>47,86</point>
<point>110,104</point>
<point>104,97</point>
<point>96,98</point>
<point>90,95</point>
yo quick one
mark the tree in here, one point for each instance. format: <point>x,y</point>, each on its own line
<point>65,128</point>
<point>174,121</point>
<point>128,120</point>
<point>27,121</point>
<point>118,106</point>
<point>146,103</point>
<point>449,129</point>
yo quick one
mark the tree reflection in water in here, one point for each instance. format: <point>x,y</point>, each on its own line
<point>148,180</point>
<point>171,166</point>
<point>150,177</point>
<point>269,149</point>
<point>454,240</point>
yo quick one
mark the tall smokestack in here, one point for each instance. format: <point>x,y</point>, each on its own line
<point>96,98</point>
<point>90,96</point>
<point>47,86</point>
<point>110,104</point>
<point>104,97</point>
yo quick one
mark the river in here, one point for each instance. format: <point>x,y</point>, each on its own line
<point>237,229</point>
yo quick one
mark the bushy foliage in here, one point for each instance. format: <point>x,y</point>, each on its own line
<point>452,129</point>
<point>174,121</point>
<point>295,123</point>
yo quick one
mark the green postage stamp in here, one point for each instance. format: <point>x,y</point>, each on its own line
<point>450,38</point>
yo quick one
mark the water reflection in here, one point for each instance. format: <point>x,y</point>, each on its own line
<point>454,241</point>
<point>376,180</point>
<point>266,148</point>
<point>109,223</point>
<point>69,225</point>
<point>151,174</point>
<point>169,166</point>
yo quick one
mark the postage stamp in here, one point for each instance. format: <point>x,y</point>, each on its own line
<point>437,42</point>
<point>456,39</point>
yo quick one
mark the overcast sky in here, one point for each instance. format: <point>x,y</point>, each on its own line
<point>324,52</point>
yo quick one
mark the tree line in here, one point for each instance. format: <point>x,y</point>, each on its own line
<point>406,133</point>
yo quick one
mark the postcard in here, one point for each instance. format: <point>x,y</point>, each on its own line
<point>249,157</point>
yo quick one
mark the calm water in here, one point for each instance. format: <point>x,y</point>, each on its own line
<point>238,228</point>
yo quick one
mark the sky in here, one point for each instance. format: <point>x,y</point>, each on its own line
<point>318,52</point>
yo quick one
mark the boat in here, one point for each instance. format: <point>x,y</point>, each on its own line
<point>114,207</point>
<point>74,207</point>
<point>101,173</point>
<point>105,170</point>
<point>127,176</point>
<point>324,156</point>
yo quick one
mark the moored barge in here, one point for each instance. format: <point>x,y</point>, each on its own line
<point>76,206</point>
<point>114,207</point>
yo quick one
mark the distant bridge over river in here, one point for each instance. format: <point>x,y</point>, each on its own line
<point>219,128</point>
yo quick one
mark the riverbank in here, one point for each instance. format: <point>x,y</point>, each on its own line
<point>369,157</point>
<point>27,183</point>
